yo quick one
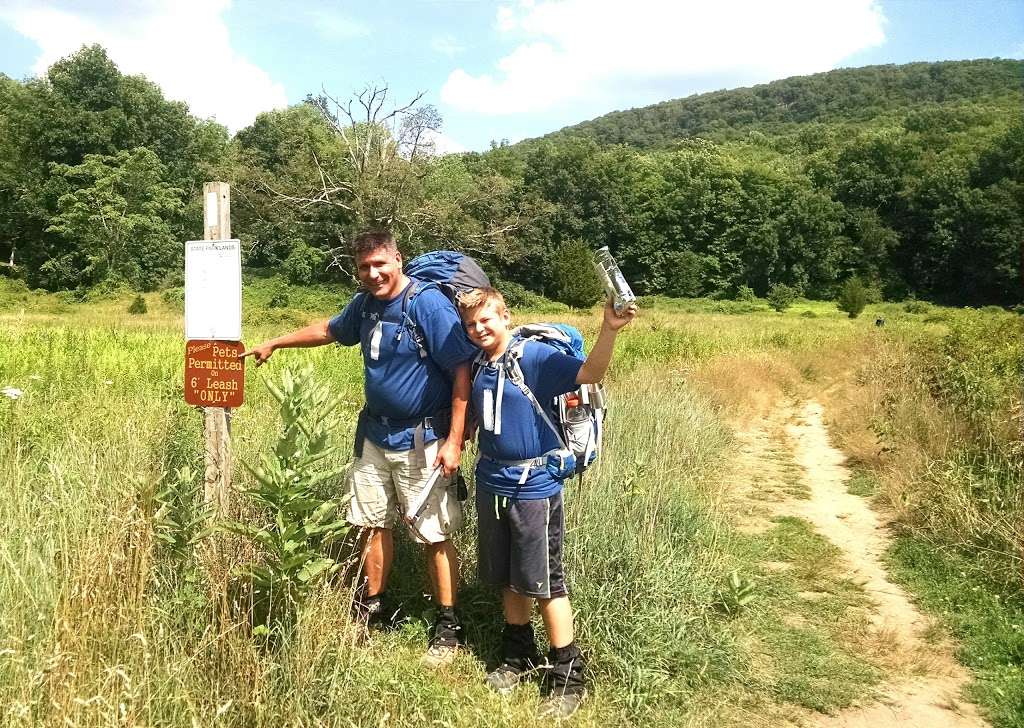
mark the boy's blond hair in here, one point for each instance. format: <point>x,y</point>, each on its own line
<point>477,297</point>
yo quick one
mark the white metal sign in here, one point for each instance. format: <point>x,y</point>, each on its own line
<point>213,289</point>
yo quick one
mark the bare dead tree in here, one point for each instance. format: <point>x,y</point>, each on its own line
<point>373,173</point>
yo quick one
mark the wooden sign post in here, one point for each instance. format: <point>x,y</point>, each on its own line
<point>217,420</point>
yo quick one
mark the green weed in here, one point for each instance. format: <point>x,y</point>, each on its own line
<point>983,615</point>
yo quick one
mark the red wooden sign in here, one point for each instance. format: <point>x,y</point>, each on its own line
<point>214,375</point>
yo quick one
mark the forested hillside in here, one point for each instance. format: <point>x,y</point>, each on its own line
<point>844,95</point>
<point>910,177</point>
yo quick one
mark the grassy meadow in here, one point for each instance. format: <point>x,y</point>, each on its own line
<point>684,624</point>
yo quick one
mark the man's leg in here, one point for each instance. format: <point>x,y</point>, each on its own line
<point>443,567</point>
<point>371,509</point>
<point>433,525</point>
<point>378,554</point>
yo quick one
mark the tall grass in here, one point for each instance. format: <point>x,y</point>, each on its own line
<point>936,417</point>
<point>103,626</point>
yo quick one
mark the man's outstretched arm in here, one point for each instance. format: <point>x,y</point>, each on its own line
<point>316,334</point>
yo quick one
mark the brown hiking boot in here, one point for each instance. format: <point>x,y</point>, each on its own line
<point>445,641</point>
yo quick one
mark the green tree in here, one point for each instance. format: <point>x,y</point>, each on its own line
<point>573,280</point>
<point>114,218</point>
<point>853,296</point>
<point>780,296</point>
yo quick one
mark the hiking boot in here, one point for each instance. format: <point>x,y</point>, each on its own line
<point>504,679</point>
<point>563,684</point>
<point>560,707</point>
<point>373,614</point>
<point>519,658</point>
<point>445,641</point>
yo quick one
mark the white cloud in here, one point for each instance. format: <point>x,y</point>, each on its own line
<point>182,45</point>
<point>572,50</point>
<point>444,144</point>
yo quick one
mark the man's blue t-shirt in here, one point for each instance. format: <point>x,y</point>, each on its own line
<point>524,434</point>
<point>399,383</point>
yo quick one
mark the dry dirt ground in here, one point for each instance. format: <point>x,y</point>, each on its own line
<point>799,473</point>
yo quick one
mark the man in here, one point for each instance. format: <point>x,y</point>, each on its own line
<point>518,501</point>
<point>410,432</point>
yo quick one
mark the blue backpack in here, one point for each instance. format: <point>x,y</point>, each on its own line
<point>448,271</point>
<point>579,415</point>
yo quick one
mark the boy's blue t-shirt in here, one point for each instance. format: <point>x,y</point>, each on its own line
<point>399,383</point>
<point>524,434</point>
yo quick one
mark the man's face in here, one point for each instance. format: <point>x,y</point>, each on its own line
<point>487,326</point>
<point>380,272</point>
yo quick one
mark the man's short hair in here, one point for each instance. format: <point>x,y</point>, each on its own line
<point>476,297</point>
<point>368,242</point>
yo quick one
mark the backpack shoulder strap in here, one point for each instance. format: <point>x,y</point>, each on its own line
<point>514,354</point>
<point>408,320</point>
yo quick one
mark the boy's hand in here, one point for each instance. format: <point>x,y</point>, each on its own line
<point>260,353</point>
<point>616,321</point>
<point>448,457</point>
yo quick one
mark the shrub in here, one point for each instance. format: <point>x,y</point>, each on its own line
<point>12,271</point>
<point>781,296</point>
<point>517,295</point>
<point>138,305</point>
<point>297,524</point>
<point>913,306</point>
<point>853,297</point>
<point>745,294</point>
<point>734,307</point>
<point>303,264</point>
<point>278,297</point>
<point>573,278</point>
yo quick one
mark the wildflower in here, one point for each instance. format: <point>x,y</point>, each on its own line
<point>34,377</point>
<point>108,381</point>
<point>11,392</point>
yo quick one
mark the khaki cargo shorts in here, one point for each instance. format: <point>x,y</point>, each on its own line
<point>384,481</point>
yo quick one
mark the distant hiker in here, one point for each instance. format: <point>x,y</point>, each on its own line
<point>416,361</point>
<point>519,489</point>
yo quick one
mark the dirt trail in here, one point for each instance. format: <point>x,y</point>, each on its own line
<point>925,693</point>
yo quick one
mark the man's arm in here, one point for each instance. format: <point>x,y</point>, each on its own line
<point>600,357</point>
<point>316,334</point>
<point>448,457</point>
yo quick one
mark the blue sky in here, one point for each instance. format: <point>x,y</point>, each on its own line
<point>495,70</point>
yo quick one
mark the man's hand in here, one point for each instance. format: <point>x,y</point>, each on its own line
<point>260,353</point>
<point>616,321</point>
<point>449,457</point>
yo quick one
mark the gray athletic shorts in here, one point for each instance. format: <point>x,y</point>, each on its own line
<point>520,544</point>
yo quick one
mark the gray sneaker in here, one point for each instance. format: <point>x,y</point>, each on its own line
<point>504,679</point>
<point>560,706</point>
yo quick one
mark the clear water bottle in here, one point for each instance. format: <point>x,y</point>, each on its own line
<point>614,283</point>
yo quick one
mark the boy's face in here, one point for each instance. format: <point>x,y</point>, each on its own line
<point>487,326</point>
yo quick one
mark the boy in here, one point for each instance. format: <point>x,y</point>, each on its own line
<point>519,504</point>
